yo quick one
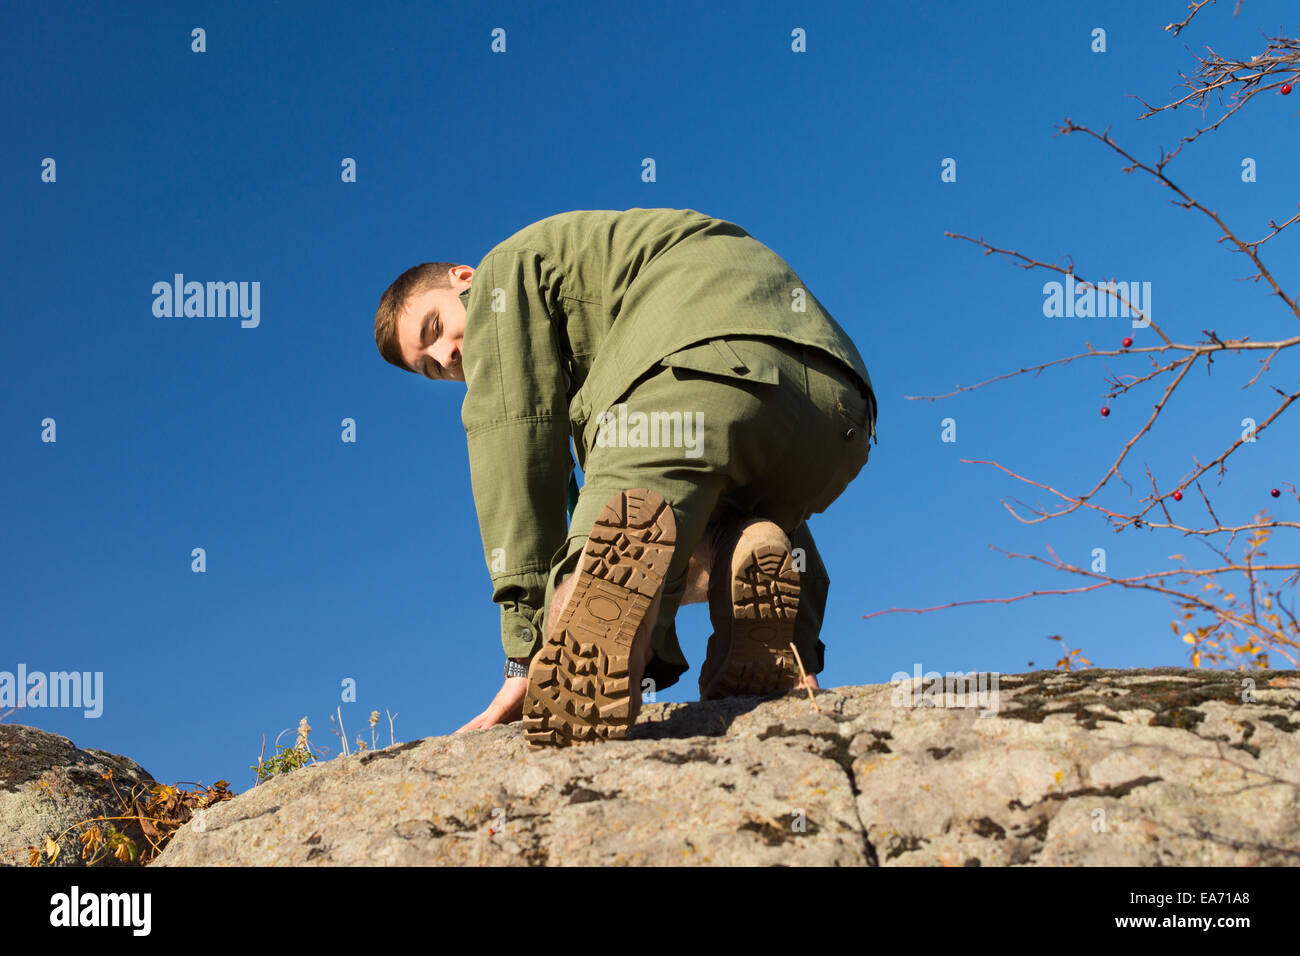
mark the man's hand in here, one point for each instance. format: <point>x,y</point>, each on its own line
<point>507,706</point>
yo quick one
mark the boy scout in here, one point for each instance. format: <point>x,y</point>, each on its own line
<point>714,405</point>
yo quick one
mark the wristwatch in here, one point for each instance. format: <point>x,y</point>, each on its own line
<point>516,669</point>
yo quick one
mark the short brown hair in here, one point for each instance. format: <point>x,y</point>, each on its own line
<point>415,280</point>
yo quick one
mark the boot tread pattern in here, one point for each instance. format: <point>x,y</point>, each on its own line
<point>579,688</point>
<point>764,602</point>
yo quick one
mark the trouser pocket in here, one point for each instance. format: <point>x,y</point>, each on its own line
<point>730,358</point>
<point>855,409</point>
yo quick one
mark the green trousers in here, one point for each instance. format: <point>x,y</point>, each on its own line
<point>741,426</point>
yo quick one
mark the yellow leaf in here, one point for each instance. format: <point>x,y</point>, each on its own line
<point>1267,604</point>
<point>1174,626</point>
<point>51,849</point>
<point>1176,557</point>
<point>1188,639</point>
<point>91,839</point>
<point>1196,658</point>
<point>1229,597</point>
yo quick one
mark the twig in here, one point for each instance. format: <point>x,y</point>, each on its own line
<point>260,755</point>
<point>1195,7</point>
<point>803,676</point>
<point>40,681</point>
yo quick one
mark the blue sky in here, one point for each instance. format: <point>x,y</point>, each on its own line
<point>328,561</point>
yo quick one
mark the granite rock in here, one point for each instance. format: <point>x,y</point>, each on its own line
<point>48,784</point>
<point>1168,766</point>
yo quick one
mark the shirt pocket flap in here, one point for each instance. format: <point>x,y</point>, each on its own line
<point>579,411</point>
<point>720,357</point>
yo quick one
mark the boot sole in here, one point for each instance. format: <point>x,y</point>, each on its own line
<point>579,684</point>
<point>764,602</point>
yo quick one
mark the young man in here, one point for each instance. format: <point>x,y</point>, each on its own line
<point>713,404</point>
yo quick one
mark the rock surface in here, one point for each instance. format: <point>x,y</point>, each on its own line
<point>47,784</point>
<point>1099,767</point>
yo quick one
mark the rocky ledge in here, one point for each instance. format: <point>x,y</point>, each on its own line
<point>1098,767</point>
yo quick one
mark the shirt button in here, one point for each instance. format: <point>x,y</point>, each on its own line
<point>850,434</point>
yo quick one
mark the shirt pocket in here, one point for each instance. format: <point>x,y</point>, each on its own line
<point>720,357</point>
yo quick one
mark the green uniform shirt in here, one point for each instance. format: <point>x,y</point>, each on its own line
<point>561,319</point>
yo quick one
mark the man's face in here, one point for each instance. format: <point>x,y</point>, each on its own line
<point>431,328</point>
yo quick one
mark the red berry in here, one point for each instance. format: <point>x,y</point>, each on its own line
<point>1104,412</point>
<point>1127,342</point>
<point>1275,492</point>
<point>1286,89</point>
<point>1178,496</point>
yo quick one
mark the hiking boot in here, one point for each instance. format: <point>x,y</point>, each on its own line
<point>584,684</point>
<point>753,599</point>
